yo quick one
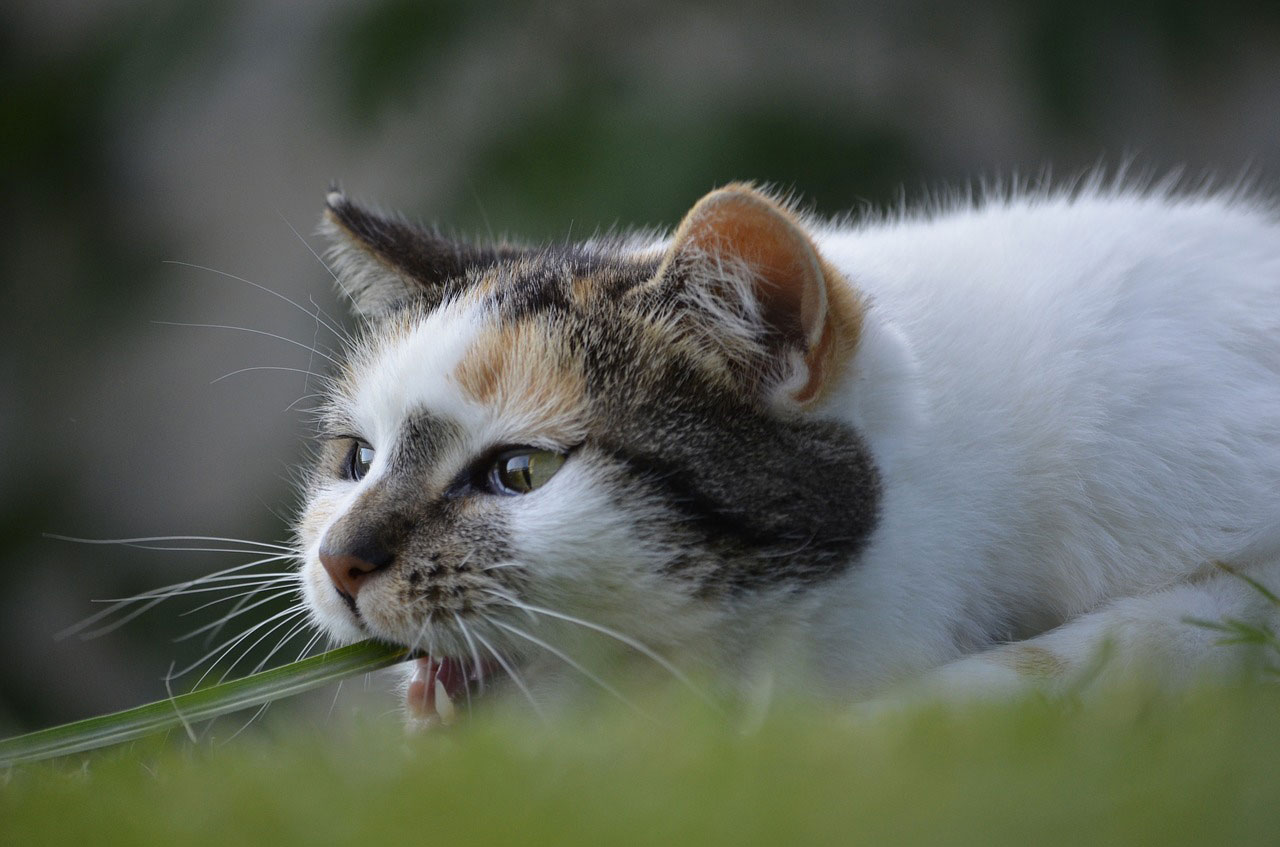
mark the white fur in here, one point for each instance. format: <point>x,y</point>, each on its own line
<point>1072,401</point>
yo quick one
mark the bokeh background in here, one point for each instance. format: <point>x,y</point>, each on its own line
<point>139,132</point>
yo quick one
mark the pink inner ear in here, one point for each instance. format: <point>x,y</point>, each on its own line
<point>740,225</point>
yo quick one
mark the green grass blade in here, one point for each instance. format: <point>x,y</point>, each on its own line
<point>201,705</point>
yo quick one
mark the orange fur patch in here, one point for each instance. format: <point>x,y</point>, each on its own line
<point>524,374</point>
<point>833,353</point>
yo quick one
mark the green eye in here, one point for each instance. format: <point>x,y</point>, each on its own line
<point>359,460</point>
<point>521,471</point>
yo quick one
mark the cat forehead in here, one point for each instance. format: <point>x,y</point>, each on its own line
<point>404,368</point>
<point>498,375</point>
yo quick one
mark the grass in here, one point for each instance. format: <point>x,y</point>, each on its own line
<point>1125,767</point>
<point>214,700</point>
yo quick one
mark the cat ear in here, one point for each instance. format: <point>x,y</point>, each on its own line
<point>746,263</point>
<point>384,262</point>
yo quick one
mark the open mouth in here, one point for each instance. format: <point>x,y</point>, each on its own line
<point>439,685</point>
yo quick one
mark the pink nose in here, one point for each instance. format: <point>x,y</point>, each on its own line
<point>350,572</point>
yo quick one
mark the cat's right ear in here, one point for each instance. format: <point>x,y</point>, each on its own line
<point>744,276</point>
<point>383,262</point>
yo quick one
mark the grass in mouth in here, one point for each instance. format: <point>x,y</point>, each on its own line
<point>202,704</point>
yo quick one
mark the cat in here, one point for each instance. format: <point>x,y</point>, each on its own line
<point>971,447</point>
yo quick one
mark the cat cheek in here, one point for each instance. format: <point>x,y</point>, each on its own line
<point>573,530</point>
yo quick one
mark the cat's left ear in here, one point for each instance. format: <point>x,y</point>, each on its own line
<point>383,262</point>
<point>748,269</point>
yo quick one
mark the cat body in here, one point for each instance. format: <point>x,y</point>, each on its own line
<point>973,446</point>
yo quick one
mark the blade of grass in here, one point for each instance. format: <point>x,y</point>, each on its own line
<point>200,705</point>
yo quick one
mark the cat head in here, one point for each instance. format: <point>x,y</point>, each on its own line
<point>618,433</point>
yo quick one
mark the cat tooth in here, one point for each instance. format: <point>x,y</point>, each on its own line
<point>444,706</point>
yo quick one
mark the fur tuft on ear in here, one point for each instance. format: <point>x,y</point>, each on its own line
<point>384,262</point>
<point>744,266</point>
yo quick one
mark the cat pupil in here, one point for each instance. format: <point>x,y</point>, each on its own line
<point>518,469</point>
<point>361,459</point>
<point>523,471</point>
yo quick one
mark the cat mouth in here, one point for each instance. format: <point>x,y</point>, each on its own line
<point>440,685</point>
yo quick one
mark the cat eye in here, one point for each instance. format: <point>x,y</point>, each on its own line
<point>358,460</point>
<point>522,470</point>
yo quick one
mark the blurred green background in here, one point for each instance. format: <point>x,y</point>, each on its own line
<point>140,132</point>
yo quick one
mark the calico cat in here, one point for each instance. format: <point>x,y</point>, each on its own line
<point>970,445</point>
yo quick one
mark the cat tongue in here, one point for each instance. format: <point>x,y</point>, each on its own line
<point>435,686</point>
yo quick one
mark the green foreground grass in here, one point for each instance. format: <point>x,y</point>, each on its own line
<point>1201,768</point>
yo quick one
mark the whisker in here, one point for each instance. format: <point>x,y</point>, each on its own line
<point>297,629</point>
<point>337,692</point>
<point>322,262</point>
<point>288,620</point>
<point>571,662</point>
<point>240,604</point>
<point>241,595</point>
<point>422,630</point>
<point>291,406</point>
<point>515,677</point>
<point>283,641</point>
<point>252,331</point>
<point>234,614</point>
<point>500,565</point>
<point>227,646</point>
<point>471,644</point>
<point>252,719</point>
<point>266,545</point>
<point>245,578</point>
<point>347,336</point>
<point>154,598</point>
<point>289,633</point>
<point>262,288</point>
<point>187,592</point>
<point>191,734</point>
<point>625,639</point>
<point>306,371</point>
<point>510,598</point>
<point>312,643</point>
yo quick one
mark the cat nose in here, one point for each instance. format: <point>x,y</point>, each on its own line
<point>350,568</point>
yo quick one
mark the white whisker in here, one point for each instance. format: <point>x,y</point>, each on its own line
<point>293,633</point>
<point>288,620</point>
<point>335,330</point>
<point>306,371</point>
<point>510,598</point>
<point>569,661</point>
<point>471,644</point>
<point>239,606</point>
<point>291,406</point>
<point>310,644</point>
<point>252,719</point>
<point>137,598</point>
<point>625,639</point>
<point>242,595</point>
<point>322,262</point>
<point>128,542</point>
<point>252,331</point>
<point>235,613</point>
<point>153,598</point>
<point>227,646</point>
<point>515,677</point>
